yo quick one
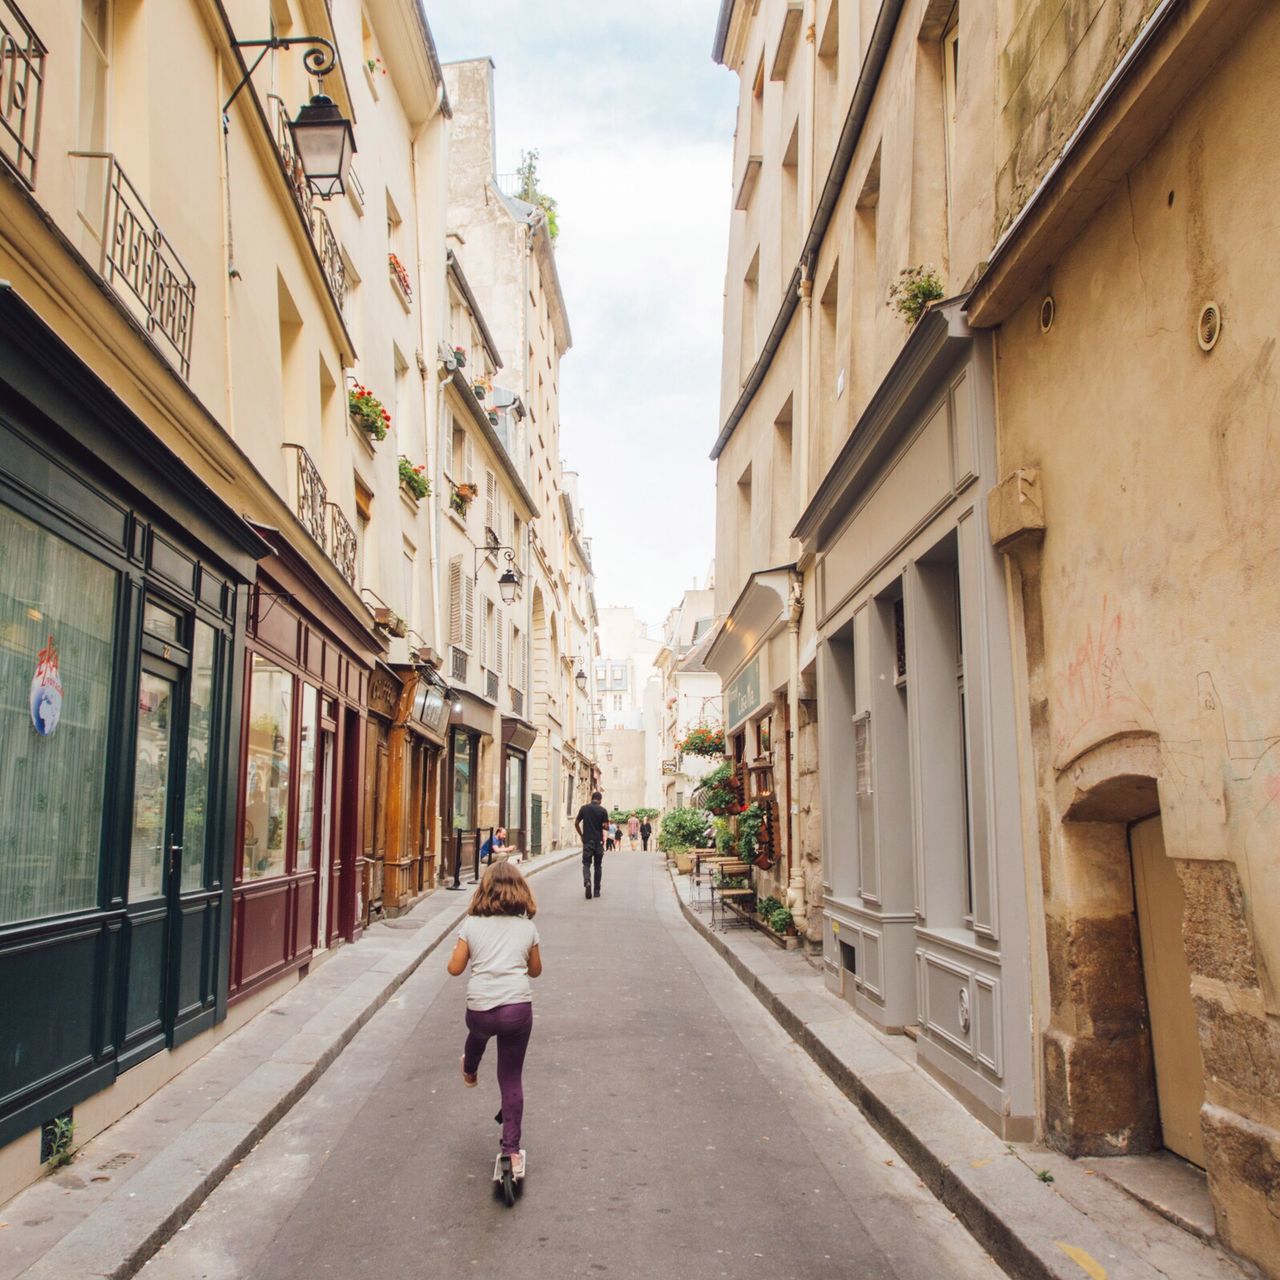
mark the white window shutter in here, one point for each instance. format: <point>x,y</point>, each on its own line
<point>469,461</point>
<point>524,658</point>
<point>446,447</point>
<point>497,641</point>
<point>484,631</point>
<point>455,600</point>
<point>490,500</point>
<point>468,612</point>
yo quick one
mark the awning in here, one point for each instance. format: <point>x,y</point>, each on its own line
<point>518,734</point>
<point>471,711</point>
<point>758,614</point>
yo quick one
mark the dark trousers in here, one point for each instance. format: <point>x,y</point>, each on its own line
<point>644,840</point>
<point>592,853</point>
<point>512,1024</point>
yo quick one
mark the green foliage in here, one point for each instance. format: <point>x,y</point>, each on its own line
<point>620,815</point>
<point>369,412</point>
<point>646,814</point>
<point>531,193</point>
<point>683,828</point>
<point>913,290</point>
<point>750,820</point>
<point>64,1132</point>
<point>702,740</point>
<point>723,836</point>
<point>730,882</point>
<point>414,478</point>
<point>775,914</point>
<point>716,792</point>
<point>1045,1176</point>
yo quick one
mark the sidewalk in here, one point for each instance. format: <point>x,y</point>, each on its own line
<point>135,1184</point>
<point>1041,1215</point>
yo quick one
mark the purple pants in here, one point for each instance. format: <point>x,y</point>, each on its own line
<point>512,1024</point>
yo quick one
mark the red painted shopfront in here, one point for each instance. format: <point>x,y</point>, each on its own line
<point>307,667</point>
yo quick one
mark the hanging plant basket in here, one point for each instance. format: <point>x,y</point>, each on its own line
<point>702,740</point>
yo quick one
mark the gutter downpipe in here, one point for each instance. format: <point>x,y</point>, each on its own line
<point>795,884</point>
<point>850,134</point>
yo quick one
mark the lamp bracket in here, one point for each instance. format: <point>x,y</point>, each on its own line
<point>319,59</point>
<point>490,548</point>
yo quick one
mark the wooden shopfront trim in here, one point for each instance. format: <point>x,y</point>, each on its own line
<point>275,920</point>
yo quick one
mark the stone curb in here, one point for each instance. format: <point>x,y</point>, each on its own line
<point>121,1234</point>
<point>1032,1232</point>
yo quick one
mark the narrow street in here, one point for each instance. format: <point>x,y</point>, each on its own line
<point>672,1129</point>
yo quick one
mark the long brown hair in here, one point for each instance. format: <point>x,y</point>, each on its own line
<point>503,891</point>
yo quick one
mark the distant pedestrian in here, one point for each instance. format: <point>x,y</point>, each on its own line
<point>633,830</point>
<point>646,830</point>
<point>499,941</point>
<point>608,838</point>
<point>591,824</point>
<point>496,843</point>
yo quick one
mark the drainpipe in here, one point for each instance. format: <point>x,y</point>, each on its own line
<point>795,887</point>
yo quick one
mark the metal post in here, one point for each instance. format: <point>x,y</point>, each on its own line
<point>457,861</point>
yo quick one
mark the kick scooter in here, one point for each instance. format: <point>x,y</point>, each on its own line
<point>507,1184</point>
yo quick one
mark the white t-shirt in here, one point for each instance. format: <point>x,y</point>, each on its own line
<point>499,947</point>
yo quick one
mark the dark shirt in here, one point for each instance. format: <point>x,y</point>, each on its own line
<point>646,830</point>
<point>594,818</point>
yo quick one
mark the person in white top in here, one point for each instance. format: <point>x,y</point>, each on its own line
<point>499,941</point>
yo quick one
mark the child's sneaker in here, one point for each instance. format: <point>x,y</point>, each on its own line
<point>517,1164</point>
<point>469,1081</point>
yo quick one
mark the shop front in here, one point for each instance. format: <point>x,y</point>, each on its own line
<point>518,736</point>
<point>418,737</point>
<point>471,734</point>
<point>306,679</point>
<point>123,581</point>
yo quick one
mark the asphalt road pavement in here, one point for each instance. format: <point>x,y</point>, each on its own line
<point>672,1129</point>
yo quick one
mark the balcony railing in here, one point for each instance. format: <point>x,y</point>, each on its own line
<point>323,519</point>
<point>140,264</point>
<point>517,702</point>
<point>491,685</point>
<point>457,664</point>
<point>342,543</point>
<point>335,271</point>
<point>21,92</point>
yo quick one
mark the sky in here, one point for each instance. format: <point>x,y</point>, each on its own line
<point>633,123</point>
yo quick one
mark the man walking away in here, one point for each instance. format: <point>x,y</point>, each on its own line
<point>590,825</point>
<point>645,832</point>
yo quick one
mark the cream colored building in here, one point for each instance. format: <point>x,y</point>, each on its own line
<point>229,583</point>
<point>510,260</point>
<point>1067,954</point>
<point>628,732</point>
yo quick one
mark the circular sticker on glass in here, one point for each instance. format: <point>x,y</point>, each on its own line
<point>46,691</point>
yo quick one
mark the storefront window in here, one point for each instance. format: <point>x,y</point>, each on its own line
<point>199,734</point>
<point>57,610</point>
<point>461,781</point>
<point>514,815</point>
<point>307,780</point>
<point>150,788</point>
<point>267,769</point>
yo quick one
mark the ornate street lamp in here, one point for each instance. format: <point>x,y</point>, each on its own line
<point>581,679</point>
<point>322,135</point>
<point>509,579</point>
<point>325,142</point>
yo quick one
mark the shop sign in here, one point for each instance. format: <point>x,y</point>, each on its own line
<point>430,708</point>
<point>46,691</point>
<point>384,693</point>
<point>743,695</point>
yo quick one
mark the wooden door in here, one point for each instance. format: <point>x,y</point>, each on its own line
<point>1175,1045</point>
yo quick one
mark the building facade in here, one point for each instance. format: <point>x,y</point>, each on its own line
<point>968,541</point>
<point>624,669</point>
<point>510,255</point>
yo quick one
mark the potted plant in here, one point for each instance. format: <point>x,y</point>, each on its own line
<point>913,290</point>
<point>480,386</point>
<point>460,357</point>
<point>702,740</point>
<point>400,274</point>
<point>414,478</point>
<point>750,821</point>
<point>390,622</point>
<point>461,498</point>
<point>716,792</point>
<point>493,417</point>
<point>368,413</point>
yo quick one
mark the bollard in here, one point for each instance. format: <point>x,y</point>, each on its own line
<point>457,861</point>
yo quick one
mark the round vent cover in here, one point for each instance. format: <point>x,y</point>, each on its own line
<point>1209,326</point>
<point>1048,309</point>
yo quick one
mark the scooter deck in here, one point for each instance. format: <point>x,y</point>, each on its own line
<point>497,1167</point>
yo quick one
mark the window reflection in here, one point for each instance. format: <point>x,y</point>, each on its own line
<point>267,770</point>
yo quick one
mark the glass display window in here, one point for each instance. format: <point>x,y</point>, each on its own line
<point>268,769</point>
<point>57,650</point>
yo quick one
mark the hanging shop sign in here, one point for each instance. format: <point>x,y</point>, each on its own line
<point>743,695</point>
<point>46,691</point>
<point>430,708</point>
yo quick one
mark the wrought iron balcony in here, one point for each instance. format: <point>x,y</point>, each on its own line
<point>457,664</point>
<point>21,92</point>
<point>517,702</point>
<point>342,543</point>
<point>323,519</point>
<point>335,271</point>
<point>140,264</point>
<point>491,685</point>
